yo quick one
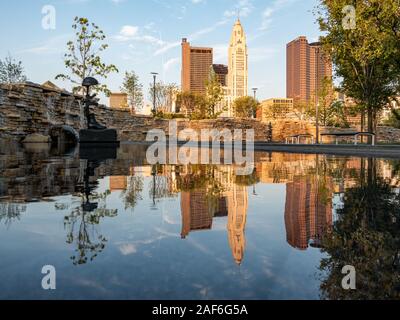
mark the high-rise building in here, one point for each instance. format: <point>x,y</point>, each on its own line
<point>196,64</point>
<point>320,69</point>
<point>221,71</point>
<point>238,62</point>
<point>307,67</point>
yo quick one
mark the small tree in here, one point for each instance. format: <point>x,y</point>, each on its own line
<point>83,56</point>
<point>245,107</point>
<point>193,105</point>
<point>337,115</point>
<point>301,109</point>
<point>325,99</point>
<point>134,89</point>
<point>11,71</point>
<point>214,96</point>
<point>165,95</point>
<point>186,102</point>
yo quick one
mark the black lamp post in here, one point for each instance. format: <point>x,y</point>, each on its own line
<point>255,98</point>
<point>155,74</point>
<point>317,124</point>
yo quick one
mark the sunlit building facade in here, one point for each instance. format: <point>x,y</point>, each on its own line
<point>196,64</point>
<point>307,67</point>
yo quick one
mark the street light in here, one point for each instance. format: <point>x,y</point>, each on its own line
<point>155,74</point>
<point>317,123</point>
<point>255,98</point>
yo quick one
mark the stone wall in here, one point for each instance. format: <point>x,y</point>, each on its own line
<point>29,108</point>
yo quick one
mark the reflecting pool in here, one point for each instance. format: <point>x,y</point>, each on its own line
<point>115,227</point>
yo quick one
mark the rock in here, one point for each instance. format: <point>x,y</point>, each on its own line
<point>36,138</point>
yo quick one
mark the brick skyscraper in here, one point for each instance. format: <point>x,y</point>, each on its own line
<point>196,64</point>
<point>307,67</point>
<point>308,214</point>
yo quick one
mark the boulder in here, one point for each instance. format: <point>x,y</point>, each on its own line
<point>36,138</point>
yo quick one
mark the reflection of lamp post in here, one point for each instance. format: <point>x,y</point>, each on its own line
<point>154,173</point>
<point>155,74</point>
<point>254,190</point>
<point>255,98</point>
<point>317,124</point>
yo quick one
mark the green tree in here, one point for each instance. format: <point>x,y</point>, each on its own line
<point>366,235</point>
<point>11,71</point>
<point>245,107</point>
<point>83,56</point>
<point>365,54</point>
<point>134,89</point>
<point>325,98</point>
<point>337,115</point>
<point>301,109</point>
<point>214,96</point>
<point>165,96</point>
<point>133,194</point>
<point>191,104</point>
<point>331,113</point>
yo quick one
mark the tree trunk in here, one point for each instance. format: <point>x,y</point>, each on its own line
<point>370,123</point>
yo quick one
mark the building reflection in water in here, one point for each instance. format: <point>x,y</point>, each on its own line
<point>118,183</point>
<point>308,213</point>
<point>198,211</point>
<point>207,192</point>
<point>237,217</point>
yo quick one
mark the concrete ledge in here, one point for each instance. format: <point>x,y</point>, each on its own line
<point>384,151</point>
<point>380,151</point>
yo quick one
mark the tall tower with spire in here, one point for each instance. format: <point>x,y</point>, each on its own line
<point>238,62</point>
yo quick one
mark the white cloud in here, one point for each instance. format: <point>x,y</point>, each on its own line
<point>170,63</point>
<point>129,31</point>
<point>243,8</point>
<point>267,15</point>
<point>192,37</point>
<point>54,45</point>
<point>127,249</point>
<point>132,33</point>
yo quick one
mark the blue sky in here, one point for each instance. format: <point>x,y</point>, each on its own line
<point>145,35</point>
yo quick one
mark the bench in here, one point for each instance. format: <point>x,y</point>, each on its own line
<point>295,139</point>
<point>355,135</point>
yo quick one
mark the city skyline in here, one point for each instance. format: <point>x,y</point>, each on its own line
<point>146,40</point>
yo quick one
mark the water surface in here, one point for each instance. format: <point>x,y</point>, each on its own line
<point>118,228</point>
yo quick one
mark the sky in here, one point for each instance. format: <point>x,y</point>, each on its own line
<point>145,36</point>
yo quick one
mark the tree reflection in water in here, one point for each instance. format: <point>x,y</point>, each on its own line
<point>11,212</point>
<point>82,222</point>
<point>133,194</point>
<point>366,235</point>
